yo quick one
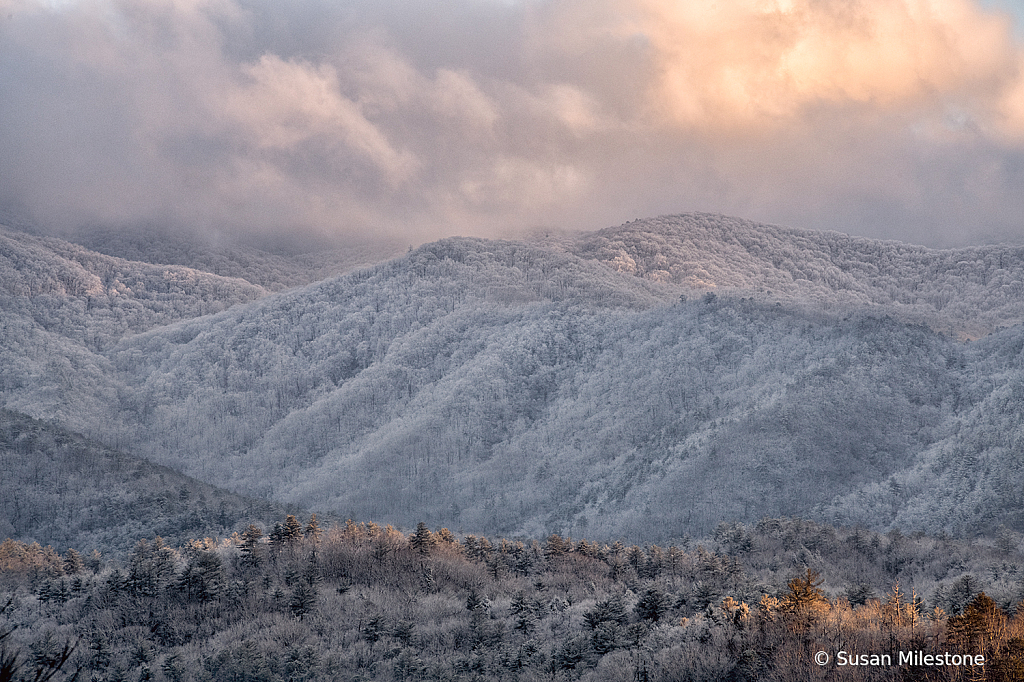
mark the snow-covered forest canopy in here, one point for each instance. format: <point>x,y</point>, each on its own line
<point>647,381</point>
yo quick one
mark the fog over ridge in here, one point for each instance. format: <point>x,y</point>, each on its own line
<point>413,120</point>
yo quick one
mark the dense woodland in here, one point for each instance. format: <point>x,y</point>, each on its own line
<point>276,267</point>
<point>968,291</point>
<point>362,602</point>
<point>679,391</point>
<point>62,489</point>
<point>575,386</point>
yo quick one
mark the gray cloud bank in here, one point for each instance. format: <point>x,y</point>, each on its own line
<point>417,119</point>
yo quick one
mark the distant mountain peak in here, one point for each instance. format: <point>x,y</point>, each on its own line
<point>970,291</point>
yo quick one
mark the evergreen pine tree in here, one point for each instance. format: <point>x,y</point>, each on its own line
<point>804,591</point>
<point>73,562</point>
<point>303,599</point>
<point>980,626</point>
<point>313,531</point>
<point>292,530</point>
<point>276,536</point>
<point>250,547</point>
<point>447,538</point>
<point>652,604</point>
<point>556,547</point>
<point>422,540</point>
<point>94,562</point>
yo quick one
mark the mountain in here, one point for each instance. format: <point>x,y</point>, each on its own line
<point>275,269</point>
<point>646,381</point>
<point>63,304</point>
<point>95,299</point>
<point>65,490</point>
<point>969,291</point>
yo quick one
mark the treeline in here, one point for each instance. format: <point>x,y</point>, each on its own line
<point>363,602</point>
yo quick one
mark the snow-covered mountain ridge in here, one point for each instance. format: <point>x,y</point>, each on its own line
<point>969,290</point>
<point>513,387</point>
<point>96,299</point>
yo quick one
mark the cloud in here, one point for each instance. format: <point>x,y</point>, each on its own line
<point>754,61</point>
<point>297,108</point>
<point>896,118</point>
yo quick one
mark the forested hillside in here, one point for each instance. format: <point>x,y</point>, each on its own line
<point>363,602</point>
<point>274,270</point>
<point>969,291</point>
<point>62,305</point>
<point>62,489</point>
<point>543,388</point>
<point>527,398</point>
<point>96,299</point>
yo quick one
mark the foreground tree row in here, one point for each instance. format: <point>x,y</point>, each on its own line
<point>362,602</point>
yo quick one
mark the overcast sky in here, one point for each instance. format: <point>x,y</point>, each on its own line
<point>899,119</point>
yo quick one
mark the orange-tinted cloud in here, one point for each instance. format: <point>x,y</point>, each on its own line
<point>762,62</point>
<point>901,118</point>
